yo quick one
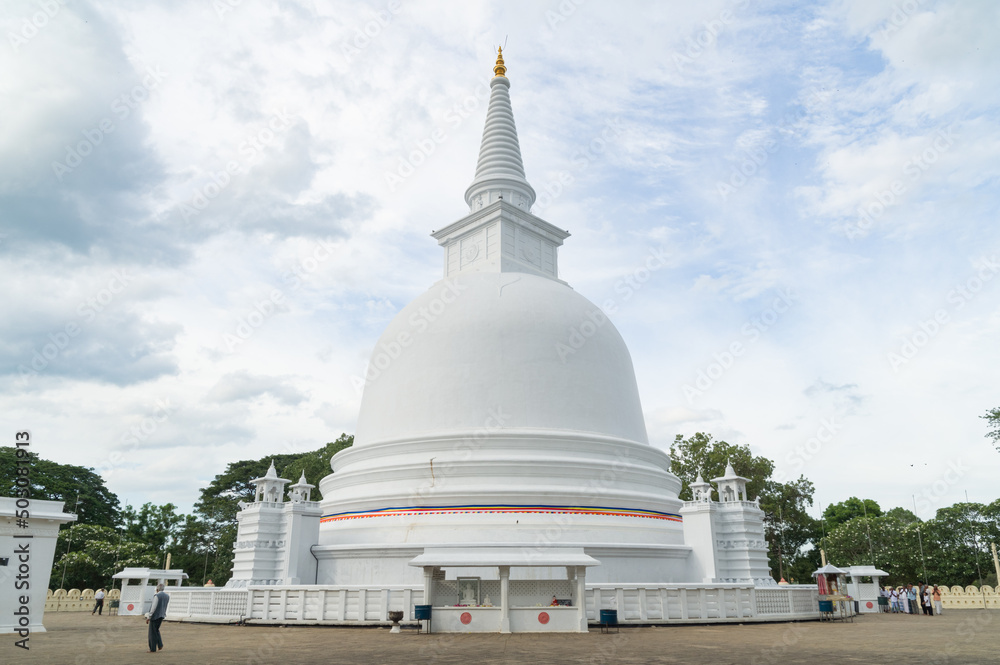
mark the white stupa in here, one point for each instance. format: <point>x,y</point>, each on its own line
<point>484,446</point>
<point>482,430</point>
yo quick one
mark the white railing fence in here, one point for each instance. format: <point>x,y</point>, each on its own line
<point>361,605</point>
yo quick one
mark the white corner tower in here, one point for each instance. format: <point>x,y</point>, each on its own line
<point>274,537</point>
<point>728,535</point>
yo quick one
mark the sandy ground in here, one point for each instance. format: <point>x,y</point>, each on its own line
<point>958,636</point>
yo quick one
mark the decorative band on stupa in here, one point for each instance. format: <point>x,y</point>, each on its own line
<point>502,508</point>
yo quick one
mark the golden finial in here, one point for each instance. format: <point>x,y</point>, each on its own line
<point>500,70</point>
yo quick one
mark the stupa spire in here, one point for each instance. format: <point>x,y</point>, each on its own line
<point>500,171</point>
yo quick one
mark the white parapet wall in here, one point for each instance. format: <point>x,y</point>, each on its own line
<point>369,605</point>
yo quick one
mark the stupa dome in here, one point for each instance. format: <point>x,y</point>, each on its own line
<point>525,348</point>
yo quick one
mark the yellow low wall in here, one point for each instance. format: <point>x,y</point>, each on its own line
<point>970,597</point>
<point>75,600</point>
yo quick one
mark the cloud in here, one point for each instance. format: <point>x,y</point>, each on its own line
<point>243,386</point>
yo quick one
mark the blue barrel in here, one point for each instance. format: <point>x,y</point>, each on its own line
<point>826,606</point>
<point>421,612</point>
<point>609,617</point>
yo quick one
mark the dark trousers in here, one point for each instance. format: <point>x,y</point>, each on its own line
<point>154,634</point>
<point>98,606</point>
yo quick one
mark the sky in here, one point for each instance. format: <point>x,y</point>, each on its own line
<point>210,211</point>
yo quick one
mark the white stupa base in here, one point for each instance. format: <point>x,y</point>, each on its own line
<point>389,565</point>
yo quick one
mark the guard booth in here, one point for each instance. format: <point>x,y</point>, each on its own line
<point>139,586</point>
<point>865,593</point>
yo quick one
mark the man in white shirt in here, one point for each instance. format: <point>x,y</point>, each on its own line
<point>155,617</point>
<point>98,603</point>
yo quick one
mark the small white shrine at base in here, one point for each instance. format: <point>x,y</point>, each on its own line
<point>501,478</point>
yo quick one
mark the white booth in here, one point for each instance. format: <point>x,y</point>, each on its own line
<point>865,593</point>
<point>139,586</point>
<point>27,550</point>
<point>481,597</point>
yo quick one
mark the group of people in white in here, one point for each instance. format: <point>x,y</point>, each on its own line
<point>911,599</point>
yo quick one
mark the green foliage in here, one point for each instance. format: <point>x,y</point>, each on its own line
<point>950,543</point>
<point>992,417</point>
<point>904,515</point>
<point>894,544</point>
<point>51,481</point>
<point>95,554</point>
<point>838,513</point>
<point>789,528</point>
<point>700,453</point>
<point>154,525</point>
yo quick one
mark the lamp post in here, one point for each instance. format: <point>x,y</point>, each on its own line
<point>975,543</point>
<point>920,541</point>
<point>69,542</point>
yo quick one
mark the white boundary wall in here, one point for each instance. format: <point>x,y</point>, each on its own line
<point>360,605</point>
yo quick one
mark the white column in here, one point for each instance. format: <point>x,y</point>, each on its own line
<point>581,596</point>
<point>504,599</point>
<point>428,585</point>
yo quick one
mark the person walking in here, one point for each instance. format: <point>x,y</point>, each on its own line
<point>155,617</point>
<point>936,596</point>
<point>98,603</point>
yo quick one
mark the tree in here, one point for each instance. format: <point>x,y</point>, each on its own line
<point>788,528</point>
<point>903,515</point>
<point>157,526</point>
<point>955,543</point>
<point>699,453</point>
<point>993,418</point>
<point>894,546</point>
<point>51,481</point>
<point>838,513</point>
<point>95,554</point>
<point>219,502</point>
